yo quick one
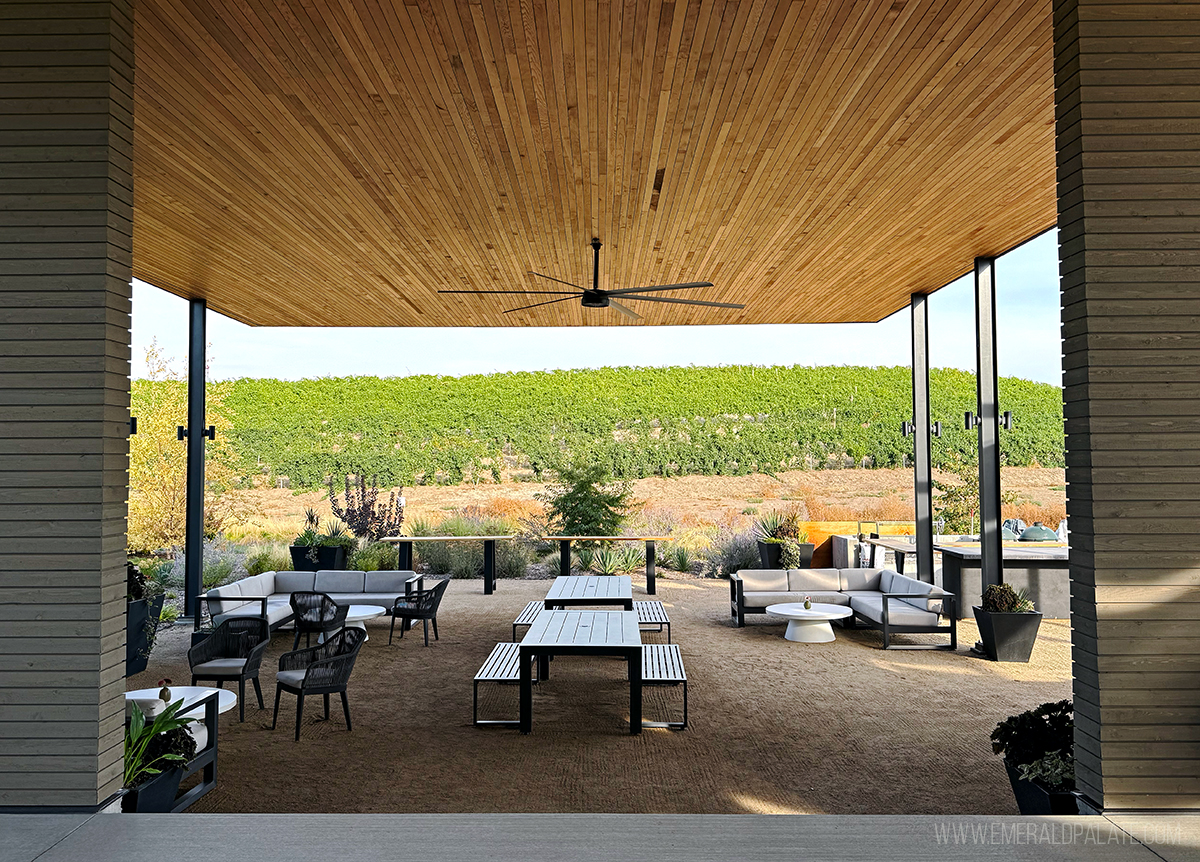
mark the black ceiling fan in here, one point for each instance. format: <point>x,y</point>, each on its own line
<point>595,297</point>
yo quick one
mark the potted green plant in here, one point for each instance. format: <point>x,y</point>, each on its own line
<point>143,609</point>
<point>1008,624</point>
<point>1039,757</point>
<point>155,753</point>
<point>781,545</point>
<point>313,550</point>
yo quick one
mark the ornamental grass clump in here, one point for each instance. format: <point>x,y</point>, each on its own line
<point>1003,599</point>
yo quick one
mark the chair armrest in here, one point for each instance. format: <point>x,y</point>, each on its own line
<point>330,671</point>
<point>204,651</point>
<point>737,588</point>
<point>945,597</point>
<point>339,615</point>
<point>255,657</point>
<point>416,581</point>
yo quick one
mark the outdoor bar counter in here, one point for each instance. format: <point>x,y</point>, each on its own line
<point>1039,568</point>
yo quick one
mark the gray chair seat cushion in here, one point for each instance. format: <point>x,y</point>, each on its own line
<point>290,677</point>
<point>220,667</point>
<point>761,600</point>
<point>900,613</point>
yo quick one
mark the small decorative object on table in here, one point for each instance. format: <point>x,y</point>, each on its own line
<point>808,603</point>
<point>164,693</point>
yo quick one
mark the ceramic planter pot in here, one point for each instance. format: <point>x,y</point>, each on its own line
<point>1033,797</point>
<point>156,796</point>
<point>327,558</point>
<point>141,621</point>
<point>806,554</point>
<point>1007,637</point>
<point>768,554</point>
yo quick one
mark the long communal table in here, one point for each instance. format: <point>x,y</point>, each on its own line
<point>596,633</point>
<point>590,591</point>
<point>564,550</point>
<point>404,548</point>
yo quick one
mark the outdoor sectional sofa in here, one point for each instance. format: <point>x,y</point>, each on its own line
<point>267,595</point>
<point>879,598</point>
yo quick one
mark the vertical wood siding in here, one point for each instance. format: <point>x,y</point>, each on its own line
<point>1127,79</point>
<point>66,215</point>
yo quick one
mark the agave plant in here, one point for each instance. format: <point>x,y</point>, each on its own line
<point>606,561</point>
<point>679,559</point>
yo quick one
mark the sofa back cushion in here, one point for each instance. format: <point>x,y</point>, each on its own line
<point>910,586</point>
<point>219,598</point>
<point>762,580</point>
<point>814,580</point>
<point>258,585</point>
<point>387,582</point>
<point>328,581</point>
<point>294,582</point>
<point>859,579</point>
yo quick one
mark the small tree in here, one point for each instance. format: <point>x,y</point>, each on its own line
<point>364,514</point>
<point>586,501</point>
<point>957,502</point>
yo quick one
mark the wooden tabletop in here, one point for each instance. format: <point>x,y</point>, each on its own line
<point>444,538</point>
<point>601,587</point>
<point>599,629</point>
<point>608,538</point>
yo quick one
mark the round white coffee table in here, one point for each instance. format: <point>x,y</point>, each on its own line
<point>356,615</point>
<point>809,625</point>
<point>226,700</point>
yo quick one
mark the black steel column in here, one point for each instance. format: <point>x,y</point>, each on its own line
<point>489,566</point>
<point>193,546</point>
<point>922,470</point>
<point>651,571</point>
<point>988,424</point>
<point>564,556</point>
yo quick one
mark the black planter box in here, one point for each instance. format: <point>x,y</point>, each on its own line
<point>806,552</point>
<point>1007,637</point>
<point>156,796</point>
<point>327,558</point>
<point>141,622</point>
<point>1033,798</point>
<point>768,554</point>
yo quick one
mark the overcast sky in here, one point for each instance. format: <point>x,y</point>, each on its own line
<point>1029,344</point>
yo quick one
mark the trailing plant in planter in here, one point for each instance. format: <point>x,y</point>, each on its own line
<point>1038,749</point>
<point>143,610</point>
<point>1008,624</point>
<point>781,544</point>
<point>313,549</point>
<point>155,753</point>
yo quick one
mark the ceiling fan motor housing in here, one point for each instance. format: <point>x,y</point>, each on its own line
<point>595,299</point>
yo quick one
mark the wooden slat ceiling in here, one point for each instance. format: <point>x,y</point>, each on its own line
<point>336,163</point>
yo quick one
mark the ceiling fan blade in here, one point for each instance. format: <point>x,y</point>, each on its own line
<point>536,304</point>
<point>625,291</point>
<point>624,309</point>
<point>684,301</point>
<point>552,278</point>
<point>549,292</point>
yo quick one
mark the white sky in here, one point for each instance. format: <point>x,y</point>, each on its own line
<point>1028,345</point>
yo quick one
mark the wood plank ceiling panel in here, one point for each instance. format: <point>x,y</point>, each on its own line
<point>335,164</point>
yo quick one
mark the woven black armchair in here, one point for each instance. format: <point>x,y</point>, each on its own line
<point>323,669</point>
<point>420,605</point>
<point>233,651</point>
<point>316,612</point>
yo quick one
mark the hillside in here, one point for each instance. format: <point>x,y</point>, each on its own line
<point>638,421</point>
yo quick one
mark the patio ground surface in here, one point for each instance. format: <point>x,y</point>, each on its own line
<point>776,727</point>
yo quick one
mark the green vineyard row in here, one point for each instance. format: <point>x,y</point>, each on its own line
<point>636,421</point>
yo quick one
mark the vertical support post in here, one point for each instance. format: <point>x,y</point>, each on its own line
<point>193,543</point>
<point>922,460</point>
<point>489,566</point>
<point>651,571</point>
<point>404,554</point>
<point>991,560</point>
<point>564,556</point>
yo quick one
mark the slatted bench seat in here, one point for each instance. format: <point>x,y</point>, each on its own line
<point>662,664</point>
<point>502,666</point>
<point>653,614</point>
<point>526,618</point>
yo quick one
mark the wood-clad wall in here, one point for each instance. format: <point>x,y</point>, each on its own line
<point>66,212</point>
<point>1128,123</point>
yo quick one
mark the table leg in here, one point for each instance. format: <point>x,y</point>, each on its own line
<point>526,722</point>
<point>404,550</point>
<point>564,556</point>
<point>635,692</point>
<point>900,555</point>
<point>489,567</point>
<point>543,661</point>
<point>650,570</point>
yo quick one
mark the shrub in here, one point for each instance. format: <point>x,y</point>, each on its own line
<point>364,514</point>
<point>1028,738</point>
<point>375,557</point>
<point>1003,599</point>
<point>730,552</point>
<point>585,556</point>
<point>585,501</point>
<point>169,614</point>
<point>465,559</point>
<point>217,573</point>
<point>268,560</point>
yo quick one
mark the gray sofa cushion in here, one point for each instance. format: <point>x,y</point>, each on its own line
<point>759,580</point>
<point>387,582</point>
<point>340,582</point>
<point>900,613</point>
<point>222,600</point>
<point>903,584</point>
<point>278,610</point>
<point>860,579</point>
<point>771,597</point>
<point>825,580</point>
<point>294,582</point>
<point>220,667</point>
